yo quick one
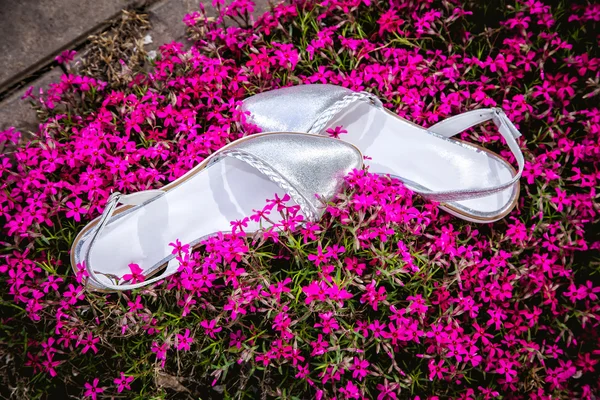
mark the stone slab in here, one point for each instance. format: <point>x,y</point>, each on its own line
<point>33,32</point>
<point>19,113</point>
<point>166,26</point>
<point>166,21</point>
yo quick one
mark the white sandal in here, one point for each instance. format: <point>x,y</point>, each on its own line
<point>469,181</point>
<point>227,186</point>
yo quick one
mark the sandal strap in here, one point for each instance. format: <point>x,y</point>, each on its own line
<point>459,123</point>
<point>326,116</point>
<point>116,198</point>
<point>446,129</point>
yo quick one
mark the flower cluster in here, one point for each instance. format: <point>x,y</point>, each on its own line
<point>386,297</point>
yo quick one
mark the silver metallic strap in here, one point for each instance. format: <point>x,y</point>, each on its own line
<point>326,116</point>
<point>307,208</point>
<point>113,201</point>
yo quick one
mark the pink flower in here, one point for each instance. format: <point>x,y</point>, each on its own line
<point>136,275</point>
<point>387,391</point>
<point>178,248</point>
<point>436,370</point>
<point>319,346</point>
<point>506,367</point>
<point>334,250</point>
<point>321,291</point>
<point>302,371</point>
<point>497,316</point>
<point>66,56</point>
<point>377,328</point>
<point>351,391</point>
<point>209,328</point>
<point>390,22</point>
<point>73,294</point>
<point>231,274</point>
<point>259,63</point>
<point>135,305</point>
<point>328,323</point>
<point>286,56</point>
<point>319,258</point>
<point>92,390</point>
<point>373,296</point>
<point>161,351</point>
<point>239,225</point>
<point>336,132</point>
<point>315,291</point>
<point>236,339</point>
<point>123,382</point>
<point>561,199</point>
<point>89,343</point>
<point>184,341</point>
<point>338,294</point>
<point>360,368</point>
<point>75,209</point>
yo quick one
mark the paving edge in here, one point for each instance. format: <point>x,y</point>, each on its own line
<point>166,26</point>
<point>31,73</point>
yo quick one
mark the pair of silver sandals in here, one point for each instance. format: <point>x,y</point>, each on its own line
<point>295,155</point>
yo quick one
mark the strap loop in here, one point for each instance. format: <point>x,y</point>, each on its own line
<point>454,125</point>
<point>134,199</point>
